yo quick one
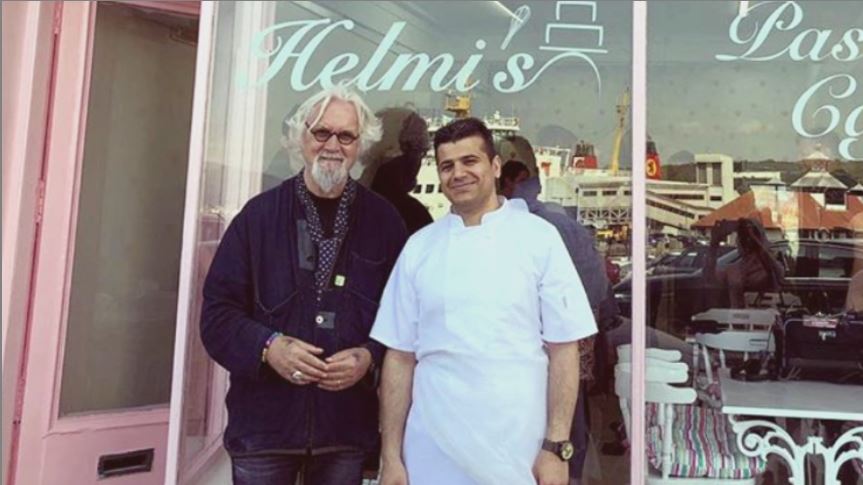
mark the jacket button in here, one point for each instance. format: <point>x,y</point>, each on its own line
<point>319,320</point>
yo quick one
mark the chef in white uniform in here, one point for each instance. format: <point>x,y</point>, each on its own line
<point>481,315</point>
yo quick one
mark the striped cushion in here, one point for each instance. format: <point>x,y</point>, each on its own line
<point>703,445</point>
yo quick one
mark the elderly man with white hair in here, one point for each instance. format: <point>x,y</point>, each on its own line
<point>289,302</point>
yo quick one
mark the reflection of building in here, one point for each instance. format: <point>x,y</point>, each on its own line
<point>817,205</point>
<point>823,186</point>
<point>785,213</point>
<point>603,200</point>
<point>717,171</point>
<point>757,177</point>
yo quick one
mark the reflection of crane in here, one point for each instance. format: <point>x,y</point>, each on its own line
<point>459,106</point>
<point>622,110</point>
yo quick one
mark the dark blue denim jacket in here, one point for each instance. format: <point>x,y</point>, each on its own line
<point>260,282</point>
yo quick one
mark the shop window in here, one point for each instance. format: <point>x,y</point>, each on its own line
<point>741,88</point>
<point>556,74</point>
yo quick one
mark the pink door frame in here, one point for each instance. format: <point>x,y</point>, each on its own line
<point>27,69</point>
<point>71,445</point>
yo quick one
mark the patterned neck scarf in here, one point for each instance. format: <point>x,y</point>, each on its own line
<point>328,248</point>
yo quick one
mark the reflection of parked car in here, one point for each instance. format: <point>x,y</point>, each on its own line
<point>689,260</point>
<point>817,275</point>
<point>664,260</point>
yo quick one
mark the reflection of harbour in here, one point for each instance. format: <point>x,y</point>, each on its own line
<point>597,197</point>
<point>816,205</point>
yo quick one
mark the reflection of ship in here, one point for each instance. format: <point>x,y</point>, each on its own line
<point>584,157</point>
<point>598,197</point>
<point>460,106</point>
<point>653,168</point>
<point>550,160</point>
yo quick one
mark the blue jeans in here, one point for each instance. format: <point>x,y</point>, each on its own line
<point>336,468</point>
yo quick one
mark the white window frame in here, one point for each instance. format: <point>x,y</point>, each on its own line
<point>194,179</point>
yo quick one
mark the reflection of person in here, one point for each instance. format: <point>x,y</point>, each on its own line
<point>512,173</point>
<point>755,270</point>
<point>482,313</point>
<point>520,180</point>
<point>396,178</point>
<point>282,166</point>
<point>853,303</point>
<point>289,301</point>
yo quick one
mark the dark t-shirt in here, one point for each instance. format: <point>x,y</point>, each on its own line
<point>326,212</point>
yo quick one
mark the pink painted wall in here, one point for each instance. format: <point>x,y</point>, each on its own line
<point>27,57</point>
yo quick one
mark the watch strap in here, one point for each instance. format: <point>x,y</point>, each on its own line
<point>559,448</point>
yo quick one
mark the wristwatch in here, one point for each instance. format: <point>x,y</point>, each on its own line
<point>563,449</point>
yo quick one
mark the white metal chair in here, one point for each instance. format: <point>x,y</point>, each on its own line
<point>624,354</point>
<point>726,319</point>
<point>739,341</point>
<point>742,341</point>
<point>686,444</point>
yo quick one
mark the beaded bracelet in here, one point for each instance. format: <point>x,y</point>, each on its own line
<point>269,342</point>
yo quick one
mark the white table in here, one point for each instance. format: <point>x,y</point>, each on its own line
<point>793,399</point>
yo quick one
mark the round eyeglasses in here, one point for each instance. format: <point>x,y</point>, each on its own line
<point>323,135</point>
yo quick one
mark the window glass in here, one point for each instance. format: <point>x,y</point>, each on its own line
<point>123,300</point>
<point>556,74</point>
<point>756,107</point>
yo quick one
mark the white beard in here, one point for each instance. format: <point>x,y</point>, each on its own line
<point>328,179</point>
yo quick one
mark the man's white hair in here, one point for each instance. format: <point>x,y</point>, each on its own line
<point>369,125</point>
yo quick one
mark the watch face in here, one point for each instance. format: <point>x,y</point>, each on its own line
<point>567,450</point>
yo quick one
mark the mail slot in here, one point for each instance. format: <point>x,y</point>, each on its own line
<point>139,461</point>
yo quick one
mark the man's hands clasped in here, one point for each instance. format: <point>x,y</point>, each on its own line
<point>296,360</point>
<point>300,363</point>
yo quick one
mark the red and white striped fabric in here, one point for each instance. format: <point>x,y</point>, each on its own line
<point>703,445</point>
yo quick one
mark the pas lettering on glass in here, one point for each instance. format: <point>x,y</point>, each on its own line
<point>813,45</point>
